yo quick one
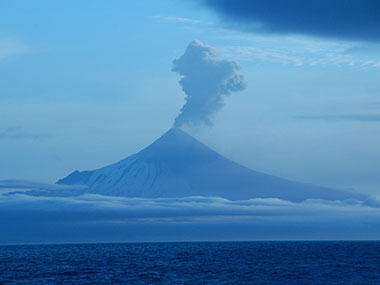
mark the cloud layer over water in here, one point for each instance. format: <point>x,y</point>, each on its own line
<point>22,215</point>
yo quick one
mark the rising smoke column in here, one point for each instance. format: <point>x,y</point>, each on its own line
<point>205,80</point>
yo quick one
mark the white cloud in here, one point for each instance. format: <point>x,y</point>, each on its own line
<point>373,201</point>
<point>10,48</point>
<point>294,50</point>
<point>17,133</point>
<point>96,218</point>
<point>172,19</point>
<point>177,208</point>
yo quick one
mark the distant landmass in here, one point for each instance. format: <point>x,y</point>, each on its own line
<point>177,165</point>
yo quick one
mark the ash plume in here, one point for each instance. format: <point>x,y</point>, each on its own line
<point>206,80</point>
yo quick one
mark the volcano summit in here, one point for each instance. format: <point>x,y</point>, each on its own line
<point>177,165</point>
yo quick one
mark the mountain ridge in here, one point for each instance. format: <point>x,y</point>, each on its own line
<point>178,165</point>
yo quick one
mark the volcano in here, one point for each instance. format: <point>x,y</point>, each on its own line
<point>177,165</point>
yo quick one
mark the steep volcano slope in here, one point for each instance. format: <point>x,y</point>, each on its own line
<point>177,165</point>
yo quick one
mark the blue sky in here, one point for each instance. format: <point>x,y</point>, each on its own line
<point>87,83</point>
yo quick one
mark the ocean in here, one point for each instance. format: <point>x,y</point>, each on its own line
<point>259,262</point>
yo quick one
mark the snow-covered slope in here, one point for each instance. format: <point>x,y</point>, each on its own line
<point>177,165</point>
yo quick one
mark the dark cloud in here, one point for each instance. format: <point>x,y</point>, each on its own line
<point>206,80</point>
<point>345,117</point>
<point>341,19</point>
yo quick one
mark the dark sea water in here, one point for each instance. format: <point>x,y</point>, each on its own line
<point>193,263</point>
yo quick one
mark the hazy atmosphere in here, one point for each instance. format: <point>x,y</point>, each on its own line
<point>88,84</point>
<point>85,84</point>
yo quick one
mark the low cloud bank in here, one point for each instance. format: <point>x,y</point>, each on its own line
<point>97,218</point>
<point>120,208</point>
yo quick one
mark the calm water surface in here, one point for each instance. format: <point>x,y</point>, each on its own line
<point>193,263</point>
